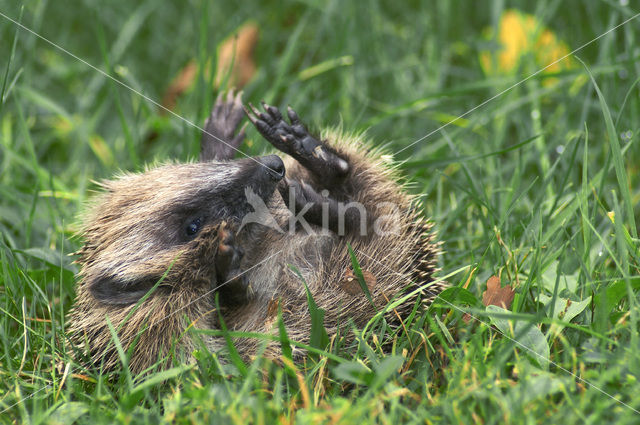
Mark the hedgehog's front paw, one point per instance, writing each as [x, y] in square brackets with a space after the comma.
[228, 256]
[230, 280]
[294, 139]
[219, 140]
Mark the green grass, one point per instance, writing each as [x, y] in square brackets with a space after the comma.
[523, 187]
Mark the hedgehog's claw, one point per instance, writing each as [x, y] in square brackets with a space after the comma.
[273, 112]
[294, 139]
[293, 116]
[254, 110]
[219, 139]
[249, 115]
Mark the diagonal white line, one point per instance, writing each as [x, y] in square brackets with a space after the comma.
[26, 398]
[516, 341]
[175, 115]
[216, 288]
[518, 83]
[164, 318]
[406, 147]
[223, 284]
[125, 85]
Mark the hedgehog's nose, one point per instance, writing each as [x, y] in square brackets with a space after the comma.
[274, 166]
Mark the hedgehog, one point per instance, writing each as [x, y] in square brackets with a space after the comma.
[245, 244]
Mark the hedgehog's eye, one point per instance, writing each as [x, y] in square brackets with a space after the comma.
[193, 226]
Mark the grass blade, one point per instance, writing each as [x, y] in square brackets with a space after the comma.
[618, 161]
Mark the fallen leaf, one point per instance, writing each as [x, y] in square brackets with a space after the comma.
[83, 377]
[237, 52]
[496, 295]
[351, 285]
[180, 84]
[234, 61]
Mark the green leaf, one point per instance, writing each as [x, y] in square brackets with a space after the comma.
[233, 352]
[387, 368]
[457, 295]
[567, 282]
[319, 337]
[355, 372]
[161, 377]
[592, 352]
[537, 386]
[444, 330]
[284, 338]
[610, 296]
[121, 353]
[565, 309]
[67, 413]
[358, 272]
[358, 373]
[51, 257]
[524, 334]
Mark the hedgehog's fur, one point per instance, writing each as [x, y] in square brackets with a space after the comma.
[131, 244]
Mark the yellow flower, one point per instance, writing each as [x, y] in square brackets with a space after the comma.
[522, 37]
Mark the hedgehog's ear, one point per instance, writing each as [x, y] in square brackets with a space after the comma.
[115, 291]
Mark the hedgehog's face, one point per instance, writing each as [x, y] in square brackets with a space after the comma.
[146, 222]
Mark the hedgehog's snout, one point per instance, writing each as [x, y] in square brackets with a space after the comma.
[273, 166]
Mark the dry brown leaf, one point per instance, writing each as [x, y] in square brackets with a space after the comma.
[237, 51]
[180, 84]
[83, 377]
[497, 295]
[351, 285]
[235, 62]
